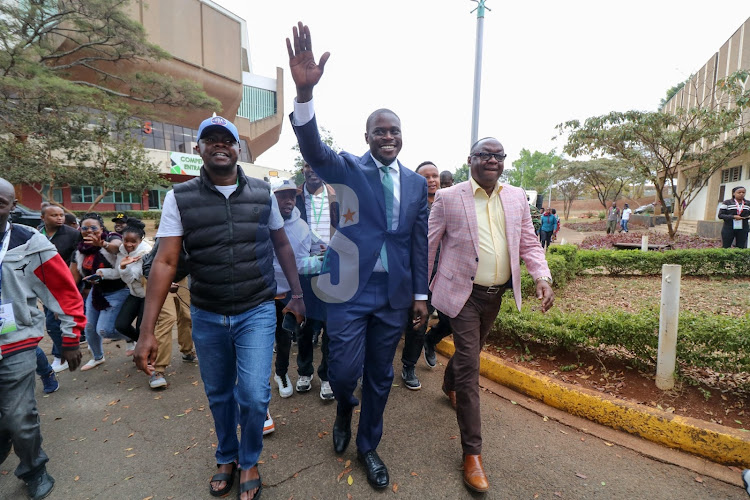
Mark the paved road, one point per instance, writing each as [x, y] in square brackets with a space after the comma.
[111, 437]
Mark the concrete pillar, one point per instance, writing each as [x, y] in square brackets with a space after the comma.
[668, 321]
[644, 243]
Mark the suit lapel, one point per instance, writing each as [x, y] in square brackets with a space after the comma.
[467, 197]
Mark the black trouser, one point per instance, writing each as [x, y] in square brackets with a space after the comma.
[132, 309]
[283, 340]
[414, 340]
[305, 349]
[729, 235]
[546, 238]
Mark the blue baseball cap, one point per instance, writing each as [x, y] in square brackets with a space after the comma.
[218, 122]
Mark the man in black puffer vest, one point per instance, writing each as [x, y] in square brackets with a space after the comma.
[230, 226]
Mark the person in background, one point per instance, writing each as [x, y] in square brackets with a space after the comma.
[446, 179]
[735, 213]
[176, 309]
[129, 268]
[613, 216]
[106, 297]
[415, 338]
[316, 202]
[45, 278]
[66, 240]
[71, 221]
[549, 224]
[120, 221]
[557, 226]
[626, 211]
[298, 234]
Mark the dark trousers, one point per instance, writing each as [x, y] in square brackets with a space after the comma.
[54, 332]
[283, 340]
[19, 418]
[729, 235]
[305, 349]
[131, 310]
[546, 238]
[414, 340]
[364, 334]
[470, 329]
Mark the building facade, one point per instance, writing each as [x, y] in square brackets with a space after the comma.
[209, 45]
[701, 88]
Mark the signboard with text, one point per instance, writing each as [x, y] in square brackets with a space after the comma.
[185, 164]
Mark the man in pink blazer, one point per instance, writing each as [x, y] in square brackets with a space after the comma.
[484, 229]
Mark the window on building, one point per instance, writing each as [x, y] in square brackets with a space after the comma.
[731, 174]
[57, 194]
[87, 194]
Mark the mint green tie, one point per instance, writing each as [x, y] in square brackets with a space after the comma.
[388, 192]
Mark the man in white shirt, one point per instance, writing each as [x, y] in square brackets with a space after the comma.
[230, 227]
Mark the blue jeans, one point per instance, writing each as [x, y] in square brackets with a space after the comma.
[235, 355]
[624, 224]
[101, 324]
[19, 418]
[54, 332]
[42, 364]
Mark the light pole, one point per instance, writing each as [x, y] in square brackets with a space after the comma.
[477, 69]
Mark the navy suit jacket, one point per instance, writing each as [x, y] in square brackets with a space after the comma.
[355, 247]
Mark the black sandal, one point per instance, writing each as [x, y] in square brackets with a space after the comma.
[223, 476]
[249, 486]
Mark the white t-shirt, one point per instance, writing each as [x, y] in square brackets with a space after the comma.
[171, 220]
[626, 214]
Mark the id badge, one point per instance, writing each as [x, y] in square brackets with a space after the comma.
[7, 319]
[736, 224]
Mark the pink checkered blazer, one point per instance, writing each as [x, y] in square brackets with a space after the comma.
[453, 227]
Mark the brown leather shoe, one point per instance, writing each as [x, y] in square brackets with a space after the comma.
[451, 395]
[474, 476]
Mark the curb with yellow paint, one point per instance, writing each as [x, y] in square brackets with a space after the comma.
[715, 442]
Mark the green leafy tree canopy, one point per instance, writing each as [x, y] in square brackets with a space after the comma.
[299, 162]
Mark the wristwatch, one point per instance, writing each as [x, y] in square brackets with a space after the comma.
[548, 279]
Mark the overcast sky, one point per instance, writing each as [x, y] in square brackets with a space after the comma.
[545, 62]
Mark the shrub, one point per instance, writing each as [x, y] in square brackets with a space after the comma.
[682, 241]
[703, 262]
[602, 215]
[705, 340]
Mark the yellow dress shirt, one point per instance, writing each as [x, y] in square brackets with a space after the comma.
[494, 261]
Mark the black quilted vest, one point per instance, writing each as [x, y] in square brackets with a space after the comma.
[228, 243]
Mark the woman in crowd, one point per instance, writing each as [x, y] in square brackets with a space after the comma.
[106, 296]
[549, 224]
[129, 268]
[734, 212]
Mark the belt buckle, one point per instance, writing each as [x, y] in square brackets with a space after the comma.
[493, 290]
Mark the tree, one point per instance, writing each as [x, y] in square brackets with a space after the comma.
[299, 162]
[567, 184]
[59, 95]
[672, 91]
[680, 150]
[462, 174]
[606, 177]
[531, 170]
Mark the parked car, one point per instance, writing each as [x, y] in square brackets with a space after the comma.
[644, 209]
[26, 216]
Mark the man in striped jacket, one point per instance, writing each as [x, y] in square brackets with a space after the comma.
[30, 270]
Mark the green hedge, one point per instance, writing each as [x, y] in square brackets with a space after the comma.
[697, 262]
[705, 340]
[109, 214]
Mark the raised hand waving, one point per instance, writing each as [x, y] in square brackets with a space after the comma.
[305, 71]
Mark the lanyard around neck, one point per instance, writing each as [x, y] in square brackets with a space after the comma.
[316, 216]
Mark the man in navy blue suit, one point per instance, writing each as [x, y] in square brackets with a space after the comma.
[377, 260]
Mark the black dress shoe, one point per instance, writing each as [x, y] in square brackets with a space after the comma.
[342, 430]
[377, 472]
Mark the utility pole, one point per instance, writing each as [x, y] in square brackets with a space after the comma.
[477, 69]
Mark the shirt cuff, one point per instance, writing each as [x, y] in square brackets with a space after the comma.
[420, 296]
[303, 112]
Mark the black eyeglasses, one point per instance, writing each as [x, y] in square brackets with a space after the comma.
[229, 141]
[486, 156]
[89, 228]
